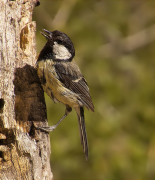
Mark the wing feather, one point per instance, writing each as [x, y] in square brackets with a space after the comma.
[71, 77]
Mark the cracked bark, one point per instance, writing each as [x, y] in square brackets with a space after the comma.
[24, 151]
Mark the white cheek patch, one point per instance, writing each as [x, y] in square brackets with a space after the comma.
[61, 52]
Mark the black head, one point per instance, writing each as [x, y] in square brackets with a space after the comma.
[59, 47]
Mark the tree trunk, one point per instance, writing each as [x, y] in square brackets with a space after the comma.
[24, 150]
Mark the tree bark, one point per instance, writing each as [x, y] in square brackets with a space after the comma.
[24, 150]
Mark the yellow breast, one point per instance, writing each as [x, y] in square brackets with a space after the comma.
[52, 86]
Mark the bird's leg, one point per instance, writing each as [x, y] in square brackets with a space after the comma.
[51, 128]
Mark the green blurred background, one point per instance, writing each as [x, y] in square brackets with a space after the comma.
[115, 50]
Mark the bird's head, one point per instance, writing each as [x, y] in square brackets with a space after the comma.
[58, 46]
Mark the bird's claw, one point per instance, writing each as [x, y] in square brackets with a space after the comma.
[47, 128]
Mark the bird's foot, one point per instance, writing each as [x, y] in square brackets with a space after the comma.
[47, 128]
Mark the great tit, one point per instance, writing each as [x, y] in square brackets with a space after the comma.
[63, 81]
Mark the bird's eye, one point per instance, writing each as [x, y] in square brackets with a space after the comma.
[59, 41]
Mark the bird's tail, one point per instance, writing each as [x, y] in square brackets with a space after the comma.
[83, 134]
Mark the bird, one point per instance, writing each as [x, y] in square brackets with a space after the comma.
[63, 81]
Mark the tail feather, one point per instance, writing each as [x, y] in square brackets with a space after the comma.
[83, 133]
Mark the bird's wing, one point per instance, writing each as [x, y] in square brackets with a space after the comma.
[71, 77]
